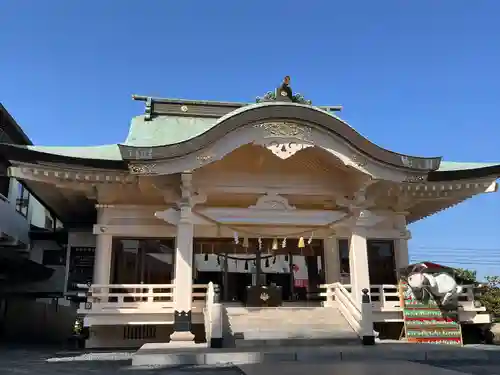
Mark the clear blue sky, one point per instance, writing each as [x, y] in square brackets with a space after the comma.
[418, 77]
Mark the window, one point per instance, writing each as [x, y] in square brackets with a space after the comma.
[381, 261]
[23, 200]
[147, 261]
[49, 223]
[344, 256]
[4, 186]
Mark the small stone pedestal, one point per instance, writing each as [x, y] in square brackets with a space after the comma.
[180, 338]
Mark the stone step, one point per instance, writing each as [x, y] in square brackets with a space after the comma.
[310, 326]
[289, 327]
[264, 334]
[329, 312]
[334, 323]
[297, 342]
[291, 319]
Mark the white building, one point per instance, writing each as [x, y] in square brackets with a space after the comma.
[237, 194]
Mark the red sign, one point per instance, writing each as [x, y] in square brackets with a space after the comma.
[300, 283]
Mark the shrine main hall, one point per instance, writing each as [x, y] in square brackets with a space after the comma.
[277, 194]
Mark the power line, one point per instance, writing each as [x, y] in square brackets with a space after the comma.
[471, 264]
[455, 255]
[456, 248]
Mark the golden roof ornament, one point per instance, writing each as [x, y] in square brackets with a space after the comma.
[283, 93]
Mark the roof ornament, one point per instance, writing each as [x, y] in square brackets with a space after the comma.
[283, 94]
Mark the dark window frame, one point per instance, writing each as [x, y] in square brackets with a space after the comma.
[22, 200]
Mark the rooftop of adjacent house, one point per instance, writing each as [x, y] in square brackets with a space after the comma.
[11, 129]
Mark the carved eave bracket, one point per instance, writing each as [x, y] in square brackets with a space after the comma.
[360, 200]
[190, 196]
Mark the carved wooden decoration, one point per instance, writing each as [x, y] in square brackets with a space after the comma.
[286, 150]
[272, 201]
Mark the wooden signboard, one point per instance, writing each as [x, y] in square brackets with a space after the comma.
[81, 266]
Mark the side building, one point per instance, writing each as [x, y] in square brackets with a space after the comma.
[31, 284]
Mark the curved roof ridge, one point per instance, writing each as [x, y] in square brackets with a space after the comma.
[267, 111]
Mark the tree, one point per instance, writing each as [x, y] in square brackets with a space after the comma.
[490, 298]
[468, 276]
[490, 294]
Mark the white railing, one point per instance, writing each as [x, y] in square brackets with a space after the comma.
[385, 297]
[136, 298]
[357, 314]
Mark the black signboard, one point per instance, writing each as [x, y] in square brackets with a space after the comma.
[81, 266]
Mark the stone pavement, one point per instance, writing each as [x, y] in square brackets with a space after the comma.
[469, 367]
[34, 362]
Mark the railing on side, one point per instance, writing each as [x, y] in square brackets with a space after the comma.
[385, 297]
[124, 298]
[358, 315]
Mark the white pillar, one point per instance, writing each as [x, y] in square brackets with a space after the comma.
[402, 257]
[358, 263]
[183, 297]
[102, 260]
[332, 260]
[401, 245]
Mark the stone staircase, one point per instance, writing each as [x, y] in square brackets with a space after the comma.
[291, 326]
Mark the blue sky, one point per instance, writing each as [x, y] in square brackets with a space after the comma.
[418, 77]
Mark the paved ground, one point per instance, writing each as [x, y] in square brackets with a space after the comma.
[365, 368]
[469, 367]
[34, 362]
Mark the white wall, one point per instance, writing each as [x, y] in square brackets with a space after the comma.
[12, 223]
[83, 239]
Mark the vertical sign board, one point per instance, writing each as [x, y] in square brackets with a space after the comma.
[81, 266]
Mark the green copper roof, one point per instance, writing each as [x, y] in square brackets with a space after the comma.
[112, 152]
[459, 166]
[172, 129]
[106, 152]
[166, 130]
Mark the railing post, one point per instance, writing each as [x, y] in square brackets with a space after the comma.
[367, 335]
[329, 295]
[216, 293]
[215, 315]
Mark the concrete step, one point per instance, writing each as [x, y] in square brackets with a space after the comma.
[298, 342]
[268, 334]
[301, 326]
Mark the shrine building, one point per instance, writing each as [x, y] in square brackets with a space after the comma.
[278, 193]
